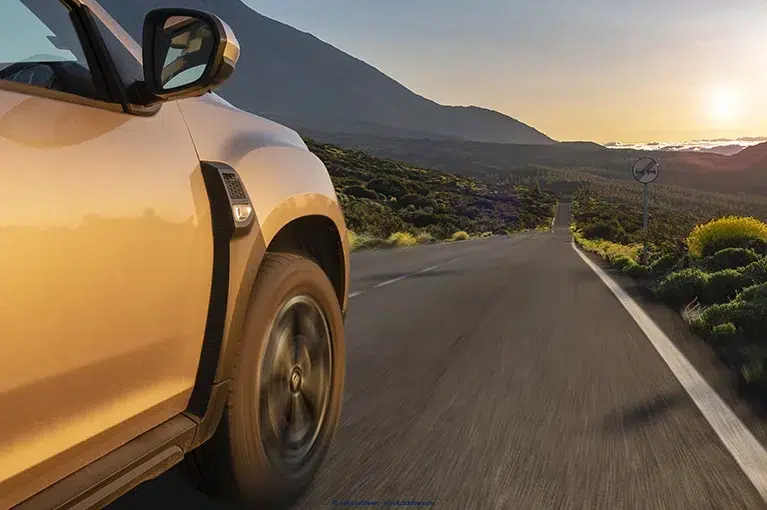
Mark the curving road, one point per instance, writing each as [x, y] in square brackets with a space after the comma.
[503, 373]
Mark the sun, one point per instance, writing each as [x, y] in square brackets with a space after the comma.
[723, 103]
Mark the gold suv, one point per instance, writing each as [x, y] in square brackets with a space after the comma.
[173, 271]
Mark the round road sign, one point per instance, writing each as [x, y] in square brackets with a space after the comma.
[645, 170]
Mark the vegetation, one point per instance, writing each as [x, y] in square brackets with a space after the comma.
[459, 236]
[387, 203]
[730, 232]
[715, 268]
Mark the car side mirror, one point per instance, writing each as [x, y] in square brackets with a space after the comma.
[186, 53]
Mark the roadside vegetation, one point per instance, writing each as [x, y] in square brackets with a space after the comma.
[713, 269]
[391, 204]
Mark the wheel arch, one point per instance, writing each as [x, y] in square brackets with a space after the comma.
[309, 224]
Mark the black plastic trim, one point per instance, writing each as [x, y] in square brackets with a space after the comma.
[109, 70]
[223, 230]
[116, 473]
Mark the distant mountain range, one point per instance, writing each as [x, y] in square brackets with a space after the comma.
[744, 172]
[296, 79]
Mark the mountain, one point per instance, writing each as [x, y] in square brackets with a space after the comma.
[294, 78]
[745, 172]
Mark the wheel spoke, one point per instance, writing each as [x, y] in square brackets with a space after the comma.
[296, 339]
[312, 389]
[299, 419]
[310, 401]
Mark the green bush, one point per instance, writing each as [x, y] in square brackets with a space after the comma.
[665, 262]
[609, 230]
[683, 286]
[724, 333]
[361, 192]
[683, 263]
[753, 293]
[756, 272]
[723, 286]
[747, 316]
[727, 232]
[730, 258]
[755, 369]
[389, 186]
[637, 271]
[621, 261]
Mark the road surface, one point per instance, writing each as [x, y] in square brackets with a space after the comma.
[506, 375]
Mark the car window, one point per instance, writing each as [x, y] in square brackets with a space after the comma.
[39, 46]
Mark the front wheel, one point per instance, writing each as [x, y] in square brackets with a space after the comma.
[286, 395]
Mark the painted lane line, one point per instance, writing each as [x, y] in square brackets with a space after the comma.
[739, 441]
[400, 278]
[389, 282]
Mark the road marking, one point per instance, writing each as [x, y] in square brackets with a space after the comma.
[400, 278]
[744, 447]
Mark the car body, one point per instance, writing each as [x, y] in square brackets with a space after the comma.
[127, 276]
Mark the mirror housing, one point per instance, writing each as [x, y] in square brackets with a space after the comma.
[199, 39]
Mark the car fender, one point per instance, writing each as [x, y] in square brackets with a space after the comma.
[284, 181]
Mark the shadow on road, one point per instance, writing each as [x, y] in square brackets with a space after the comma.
[643, 413]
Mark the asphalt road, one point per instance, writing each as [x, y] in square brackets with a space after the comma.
[505, 376]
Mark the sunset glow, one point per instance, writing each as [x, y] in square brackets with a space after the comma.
[591, 70]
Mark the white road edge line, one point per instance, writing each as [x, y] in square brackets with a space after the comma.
[739, 441]
[400, 278]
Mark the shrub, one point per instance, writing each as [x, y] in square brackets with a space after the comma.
[460, 236]
[353, 239]
[425, 238]
[367, 242]
[665, 262]
[389, 186]
[753, 293]
[608, 230]
[360, 192]
[621, 261]
[747, 316]
[637, 271]
[730, 258]
[401, 239]
[756, 272]
[418, 201]
[606, 249]
[723, 286]
[724, 333]
[727, 232]
[755, 369]
[683, 286]
[683, 263]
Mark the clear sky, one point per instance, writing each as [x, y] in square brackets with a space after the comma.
[602, 70]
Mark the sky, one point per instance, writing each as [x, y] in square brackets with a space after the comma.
[631, 71]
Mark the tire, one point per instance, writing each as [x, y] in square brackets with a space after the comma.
[245, 460]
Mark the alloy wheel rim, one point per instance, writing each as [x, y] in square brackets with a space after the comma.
[295, 384]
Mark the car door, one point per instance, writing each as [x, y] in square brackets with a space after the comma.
[105, 256]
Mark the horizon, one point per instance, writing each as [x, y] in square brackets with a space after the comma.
[704, 93]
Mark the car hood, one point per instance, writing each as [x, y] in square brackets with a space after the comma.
[222, 132]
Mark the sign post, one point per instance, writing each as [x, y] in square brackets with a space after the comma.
[645, 170]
